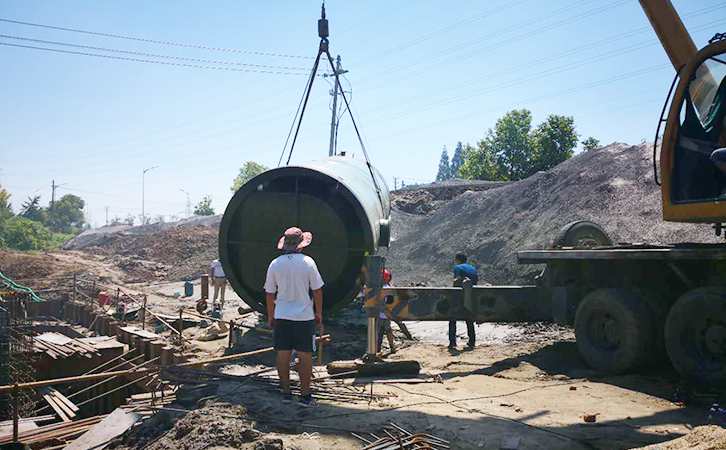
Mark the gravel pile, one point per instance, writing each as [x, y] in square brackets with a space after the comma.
[427, 198]
[612, 186]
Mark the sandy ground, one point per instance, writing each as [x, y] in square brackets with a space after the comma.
[535, 392]
[522, 381]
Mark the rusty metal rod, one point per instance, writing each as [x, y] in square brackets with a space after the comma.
[95, 376]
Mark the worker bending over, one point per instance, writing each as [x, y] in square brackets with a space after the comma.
[462, 270]
[290, 279]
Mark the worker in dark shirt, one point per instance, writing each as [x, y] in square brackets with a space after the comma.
[462, 270]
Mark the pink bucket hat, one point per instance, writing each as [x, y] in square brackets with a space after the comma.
[294, 239]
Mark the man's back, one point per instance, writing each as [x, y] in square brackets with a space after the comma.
[292, 276]
[466, 270]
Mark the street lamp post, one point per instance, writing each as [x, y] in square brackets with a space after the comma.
[143, 191]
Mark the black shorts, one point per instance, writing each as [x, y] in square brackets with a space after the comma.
[294, 335]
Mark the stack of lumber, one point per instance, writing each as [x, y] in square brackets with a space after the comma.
[24, 424]
[156, 398]
[53, 434]
[57, 346]
[65, 408]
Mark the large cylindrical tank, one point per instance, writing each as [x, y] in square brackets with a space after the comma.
[336, 199]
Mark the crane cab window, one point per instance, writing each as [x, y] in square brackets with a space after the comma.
[700, 154]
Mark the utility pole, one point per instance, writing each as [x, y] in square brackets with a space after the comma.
[338, 71]
[395, 183]
[52, 201]
[107, 216]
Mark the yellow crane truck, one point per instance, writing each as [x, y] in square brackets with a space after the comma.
[628, 303]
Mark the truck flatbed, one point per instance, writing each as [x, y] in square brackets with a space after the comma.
[691, 251]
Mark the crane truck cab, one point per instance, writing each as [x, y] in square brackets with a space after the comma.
[693, 152]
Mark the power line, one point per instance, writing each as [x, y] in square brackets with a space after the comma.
[463, 117]
[444, 30]
[151, 55]
[235, 144]
[509, 29]
[154, 41]
[397, 103]
[195, 66]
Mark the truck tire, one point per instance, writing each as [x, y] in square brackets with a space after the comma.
[582, 233]
[695, 334]
[613, 329]
[658, 311]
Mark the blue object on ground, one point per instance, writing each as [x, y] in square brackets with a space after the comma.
[188, 288]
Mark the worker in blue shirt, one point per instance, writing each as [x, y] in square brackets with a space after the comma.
[462, 270]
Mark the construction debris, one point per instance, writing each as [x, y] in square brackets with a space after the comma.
[98, 436]
[396, 437]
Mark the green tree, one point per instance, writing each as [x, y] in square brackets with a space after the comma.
[554, 141]
[247, 172]
[444, 168]
[204, 208]
[480, 163]
[129, 220]
[590, 143]
[24, 234]
[158, 219]
[513, 151]
[31, 209]
[67, 214]
[6, 209]
[457, 161]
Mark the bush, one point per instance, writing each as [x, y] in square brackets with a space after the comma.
[24, 234]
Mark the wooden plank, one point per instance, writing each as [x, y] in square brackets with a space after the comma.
[36, 419]
[62, 350]
[52, 428]
[139, 332]
[62, 405]
[98, 437]
[148, 395]
[7, 430]
[64, 399]
[58, 410]
[54, 338]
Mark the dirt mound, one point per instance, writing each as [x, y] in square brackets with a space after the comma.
[168, 254]
[612, 186]
[104, 235]
[34, 266]
[427, 198]
[701, 438]
[213, 426]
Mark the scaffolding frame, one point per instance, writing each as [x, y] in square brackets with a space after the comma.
[17, 354]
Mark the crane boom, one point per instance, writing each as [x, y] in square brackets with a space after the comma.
[670, 30]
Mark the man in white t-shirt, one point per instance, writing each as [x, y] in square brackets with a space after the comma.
[219, 281]
[291, 277]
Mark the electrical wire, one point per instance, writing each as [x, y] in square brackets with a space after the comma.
[705, 10]
[153, 41]
[165, 63]
[517, 28]
[150, 55]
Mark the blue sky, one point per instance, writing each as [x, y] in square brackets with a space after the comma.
[423, 75]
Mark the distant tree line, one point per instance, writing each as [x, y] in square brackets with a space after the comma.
[37, 227]
[513, 150]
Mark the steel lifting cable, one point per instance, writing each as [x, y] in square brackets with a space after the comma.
[355, 126]
[323, 33]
